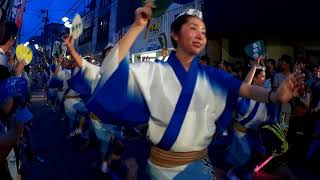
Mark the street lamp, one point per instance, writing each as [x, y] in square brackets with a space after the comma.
[36, 46]
[65, 19]
[67, 24]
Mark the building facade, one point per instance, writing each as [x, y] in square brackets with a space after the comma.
[111, 19]
[149, 44]
[229, 29]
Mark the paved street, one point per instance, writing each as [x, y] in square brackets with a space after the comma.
[62, 159]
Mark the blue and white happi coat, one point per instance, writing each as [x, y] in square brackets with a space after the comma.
[81, 77]
[71, 102]
[252, 115]
[183, 109]
[151, 92]
[85, 79]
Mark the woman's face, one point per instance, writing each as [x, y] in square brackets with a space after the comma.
[222, 66]
[270, 65]
[192, 36]
[65, 63]
[259, 80]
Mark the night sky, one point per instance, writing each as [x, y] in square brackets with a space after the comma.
[280, 17]
[57, 9]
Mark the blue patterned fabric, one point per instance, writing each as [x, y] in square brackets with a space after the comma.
[14, 86]
[6, 91]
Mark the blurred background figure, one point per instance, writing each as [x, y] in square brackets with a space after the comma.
[204, 60]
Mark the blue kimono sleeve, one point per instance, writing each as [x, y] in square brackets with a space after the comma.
[243, 106]
[79, 85]
[82, 81]
[230, 87]
[117, 98]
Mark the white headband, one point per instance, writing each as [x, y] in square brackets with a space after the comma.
[192, 12]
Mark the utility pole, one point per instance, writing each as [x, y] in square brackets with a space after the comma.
[45, 19]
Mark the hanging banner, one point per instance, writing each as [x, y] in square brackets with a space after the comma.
[156, 28]
[18, 11]
[159, 32]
